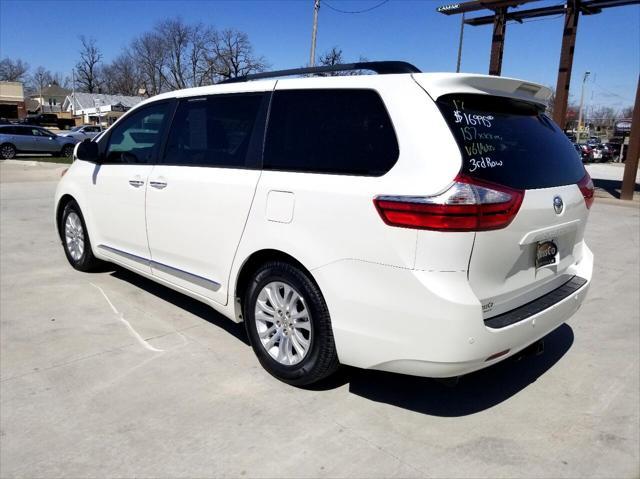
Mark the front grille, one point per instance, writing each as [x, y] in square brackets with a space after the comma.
[534, 307]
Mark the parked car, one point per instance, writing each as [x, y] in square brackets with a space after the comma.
[50, 119]
[82, 132]
[586, 153]
[32, 139]
[601, 153]
[425, 224]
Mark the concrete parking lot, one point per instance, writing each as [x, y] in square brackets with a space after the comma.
[109, 374]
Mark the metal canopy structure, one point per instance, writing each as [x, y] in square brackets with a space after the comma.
[571, 10]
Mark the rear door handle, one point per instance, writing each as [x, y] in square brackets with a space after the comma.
[136, 183]
[158, 184]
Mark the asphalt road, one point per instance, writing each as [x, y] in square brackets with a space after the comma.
[108, 374]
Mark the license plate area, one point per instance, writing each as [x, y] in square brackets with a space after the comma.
[546, 254]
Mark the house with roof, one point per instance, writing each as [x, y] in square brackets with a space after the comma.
[99, 108]
[48, 100]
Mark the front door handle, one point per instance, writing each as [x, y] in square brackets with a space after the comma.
[136, 183]
[158, 184]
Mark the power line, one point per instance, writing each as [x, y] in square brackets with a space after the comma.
[611, 93]
[356, 11]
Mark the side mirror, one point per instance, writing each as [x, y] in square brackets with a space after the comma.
[87, 150]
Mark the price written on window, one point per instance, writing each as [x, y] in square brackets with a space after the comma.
[473, 120]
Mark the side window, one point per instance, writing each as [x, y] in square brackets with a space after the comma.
[137, 137]
[213, 131]
[330, 131]
[41, 132]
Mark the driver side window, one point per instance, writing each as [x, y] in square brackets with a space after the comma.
[137, 138]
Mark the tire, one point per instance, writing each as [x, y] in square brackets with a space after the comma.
[7, 151]
[306, 318]
[75, 239]
[67, 151]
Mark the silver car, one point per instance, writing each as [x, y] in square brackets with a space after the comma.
[33, 139]
[82, 132]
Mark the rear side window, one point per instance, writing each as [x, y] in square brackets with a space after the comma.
[510, 142]
[330, 131]
[213, 131]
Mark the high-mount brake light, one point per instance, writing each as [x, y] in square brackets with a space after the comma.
[467, 205]
[587, 189]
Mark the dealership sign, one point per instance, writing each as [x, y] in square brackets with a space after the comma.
[623, 126]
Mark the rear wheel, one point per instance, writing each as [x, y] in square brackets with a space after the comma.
[7, 151]
[288, 324]
[75, 239]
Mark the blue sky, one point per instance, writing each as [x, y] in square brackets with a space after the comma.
[608, 44]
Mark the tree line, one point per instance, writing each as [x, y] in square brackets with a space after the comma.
[173, 55]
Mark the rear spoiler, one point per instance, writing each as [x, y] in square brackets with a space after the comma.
[438, 84]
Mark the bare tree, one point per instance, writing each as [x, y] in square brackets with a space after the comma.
[602, 116]
[176, 42]
[122, 76]
[331, 57]
[88, 66]
[13, 70]
[150, 56]
[626, 112]
[40, 78]
[232, 55]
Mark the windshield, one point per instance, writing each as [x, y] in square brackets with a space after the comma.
[76, 128]
[510, 142]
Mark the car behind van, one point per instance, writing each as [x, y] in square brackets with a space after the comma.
[421, 223]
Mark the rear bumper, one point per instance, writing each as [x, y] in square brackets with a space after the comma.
[427, 323]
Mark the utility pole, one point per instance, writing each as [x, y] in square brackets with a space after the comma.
[73, 93]
[314, 32]
[460, 44]
[584, 80]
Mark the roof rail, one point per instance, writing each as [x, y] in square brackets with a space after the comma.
[381, 68]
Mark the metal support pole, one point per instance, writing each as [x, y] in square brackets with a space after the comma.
[633, 152]
[584, 81]
[314, 32]
[497, 42]
[571, 16]
[460, 44]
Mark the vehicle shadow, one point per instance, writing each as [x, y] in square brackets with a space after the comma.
[612, 187]
[182, 301]
[472, 393]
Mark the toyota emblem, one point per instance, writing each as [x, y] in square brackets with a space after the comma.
[558, 205]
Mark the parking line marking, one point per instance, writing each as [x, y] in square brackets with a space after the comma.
[120, 316]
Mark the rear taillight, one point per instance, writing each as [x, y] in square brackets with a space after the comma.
[587, 189]
[467, 205]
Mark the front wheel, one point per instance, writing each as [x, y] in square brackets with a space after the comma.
[75, 239]
[288, 324]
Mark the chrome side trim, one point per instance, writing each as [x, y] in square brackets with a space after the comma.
[184, 275]
[124, 254]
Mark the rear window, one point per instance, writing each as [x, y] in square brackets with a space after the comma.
[330, 131]
[510, 142]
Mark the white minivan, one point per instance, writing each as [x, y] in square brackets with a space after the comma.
[422, 223]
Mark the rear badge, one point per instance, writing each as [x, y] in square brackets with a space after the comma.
[546, 254]
[558, 205]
